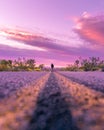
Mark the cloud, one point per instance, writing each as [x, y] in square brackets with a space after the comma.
[30, 40]
[43, 41]
[91, 29]
[26, 44]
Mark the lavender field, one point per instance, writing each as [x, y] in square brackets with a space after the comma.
[94, 80]
[51, 100]
[12, 81]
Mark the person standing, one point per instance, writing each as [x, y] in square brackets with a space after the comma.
[52, 67]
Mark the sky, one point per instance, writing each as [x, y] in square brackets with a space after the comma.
[51, 31]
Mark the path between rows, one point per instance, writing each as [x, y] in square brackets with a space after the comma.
[54, 102]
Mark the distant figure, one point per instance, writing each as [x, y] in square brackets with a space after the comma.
[52, 67]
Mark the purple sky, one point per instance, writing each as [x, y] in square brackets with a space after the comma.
[51, 31]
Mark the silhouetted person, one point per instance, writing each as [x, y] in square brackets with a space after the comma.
[52, 67]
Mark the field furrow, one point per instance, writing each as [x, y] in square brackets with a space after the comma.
[86, 105]
[17, 108]
[10, 82]
[52, 102]
[93, 80]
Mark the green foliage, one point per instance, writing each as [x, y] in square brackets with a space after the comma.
[22, 64]
[37, 69]
[30, 63]
[71, 68]
[90, 64]
[5, 65]
[17, 65]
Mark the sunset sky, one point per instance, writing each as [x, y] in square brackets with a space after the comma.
[51, 31]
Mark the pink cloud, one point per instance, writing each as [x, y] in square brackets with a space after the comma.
[91, 29]
[55, 50]
[43, 42]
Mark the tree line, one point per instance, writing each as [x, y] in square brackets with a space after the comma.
[23, 64]
[88, 64]
[20, 64]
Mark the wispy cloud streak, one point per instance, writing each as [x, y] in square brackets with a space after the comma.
[17, 43]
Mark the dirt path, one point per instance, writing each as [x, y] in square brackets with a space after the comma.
[53, 103]
[52, 112]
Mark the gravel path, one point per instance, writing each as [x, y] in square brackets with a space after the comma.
[53, 102]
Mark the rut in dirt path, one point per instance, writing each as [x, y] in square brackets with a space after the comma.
[51, 112]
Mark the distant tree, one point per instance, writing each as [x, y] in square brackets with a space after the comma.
[30, 63]
[101, 65]
[77, 63]
[23, 64]
[94, 63]
[20, 64]
[41, 66]
[90, 64]
[10, 63]
[3, 65]
[86, 65]
[3, 62]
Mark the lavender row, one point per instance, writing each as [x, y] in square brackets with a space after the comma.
[94, 80]
[12, 81]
